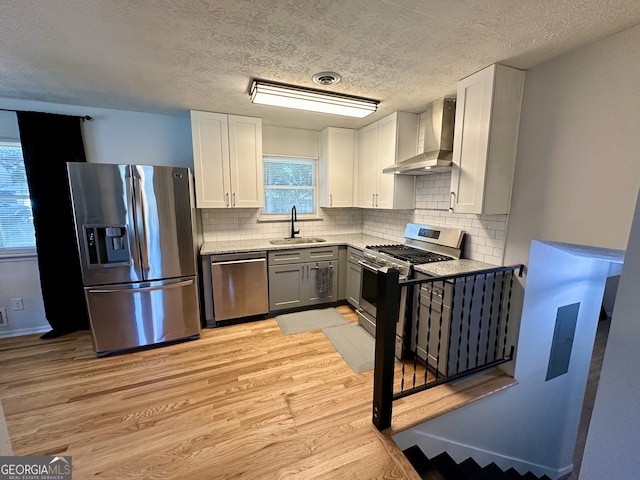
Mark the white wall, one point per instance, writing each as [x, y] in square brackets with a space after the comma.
[9, 126]
[611, 450]
[577, 178]
[20, 278]
[290, 141]
[118, 136]
[113, 136]
[578, 166]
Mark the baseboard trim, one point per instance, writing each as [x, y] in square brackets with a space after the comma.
[24, 331]
[432, 445]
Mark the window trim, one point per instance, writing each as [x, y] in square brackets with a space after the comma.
[21, 252]
[281, 217]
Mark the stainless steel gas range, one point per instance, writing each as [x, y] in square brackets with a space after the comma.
[423, 244]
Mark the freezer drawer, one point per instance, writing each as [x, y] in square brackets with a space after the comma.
[239, 283]
[126, 316]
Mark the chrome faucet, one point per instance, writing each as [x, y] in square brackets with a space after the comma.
[294, 217]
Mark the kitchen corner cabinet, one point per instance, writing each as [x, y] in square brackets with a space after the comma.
[337, 154]
[293, 277]
[227, 160]
[485, 141]
[389, 140]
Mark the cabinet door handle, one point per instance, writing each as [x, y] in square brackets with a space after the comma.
[227, 200]
[317, 267]
[376, 199]
[234, 198]
[452, 201]
[373, 199]
[331, 199]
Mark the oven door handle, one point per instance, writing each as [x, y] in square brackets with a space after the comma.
[369, 266]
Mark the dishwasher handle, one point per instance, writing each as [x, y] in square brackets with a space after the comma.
[231, 262]
[219, 258]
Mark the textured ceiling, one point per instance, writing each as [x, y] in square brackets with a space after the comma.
[171, 56]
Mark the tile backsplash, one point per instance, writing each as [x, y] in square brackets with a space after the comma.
[485, 234]
[484, 239]
[243, 224]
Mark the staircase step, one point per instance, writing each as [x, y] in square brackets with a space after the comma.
[529, 476]
[418, 459]
[473, 470]
[448, 467]
[422, 464]
[443, 467]
[513, 474]
[495, 472]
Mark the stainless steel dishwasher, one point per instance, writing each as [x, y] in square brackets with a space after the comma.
[239, 284]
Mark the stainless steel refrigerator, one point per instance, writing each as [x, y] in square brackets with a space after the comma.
[135, 233]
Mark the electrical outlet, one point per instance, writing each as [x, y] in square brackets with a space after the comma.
[16, 304]
[4, 320]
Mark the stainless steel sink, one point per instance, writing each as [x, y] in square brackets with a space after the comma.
[296, 240]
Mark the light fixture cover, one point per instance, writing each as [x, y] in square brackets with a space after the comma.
[281, 95]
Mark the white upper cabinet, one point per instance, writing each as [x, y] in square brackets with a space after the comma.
[227, 158]
[337, 155]
[367, 170]
[386, 142]
[485, 141]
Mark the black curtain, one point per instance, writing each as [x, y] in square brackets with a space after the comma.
[48, 142]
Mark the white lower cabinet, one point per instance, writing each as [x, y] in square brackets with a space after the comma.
[302, 277]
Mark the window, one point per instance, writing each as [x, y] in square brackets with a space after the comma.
[289, 181]
[16, 218]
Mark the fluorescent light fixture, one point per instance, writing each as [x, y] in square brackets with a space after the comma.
[280, 95]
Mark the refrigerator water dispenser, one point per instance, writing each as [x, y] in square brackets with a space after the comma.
[107, 245]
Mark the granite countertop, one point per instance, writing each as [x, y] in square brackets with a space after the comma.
[453, 267]
[355, 240]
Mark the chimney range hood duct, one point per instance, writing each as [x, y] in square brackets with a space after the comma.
[437, 148]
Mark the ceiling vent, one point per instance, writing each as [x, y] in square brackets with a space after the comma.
[326, 78]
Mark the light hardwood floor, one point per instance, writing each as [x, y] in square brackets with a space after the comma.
[243, 401]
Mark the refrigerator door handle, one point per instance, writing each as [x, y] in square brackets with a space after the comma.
[164, 286]
[133, 219]
[142, 224]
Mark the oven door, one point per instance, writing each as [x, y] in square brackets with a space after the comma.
[369, 288]
[368, 303]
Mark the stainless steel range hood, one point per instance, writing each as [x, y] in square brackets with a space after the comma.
[437, 148]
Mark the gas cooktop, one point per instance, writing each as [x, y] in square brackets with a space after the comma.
[410, 254]
[423, 244]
